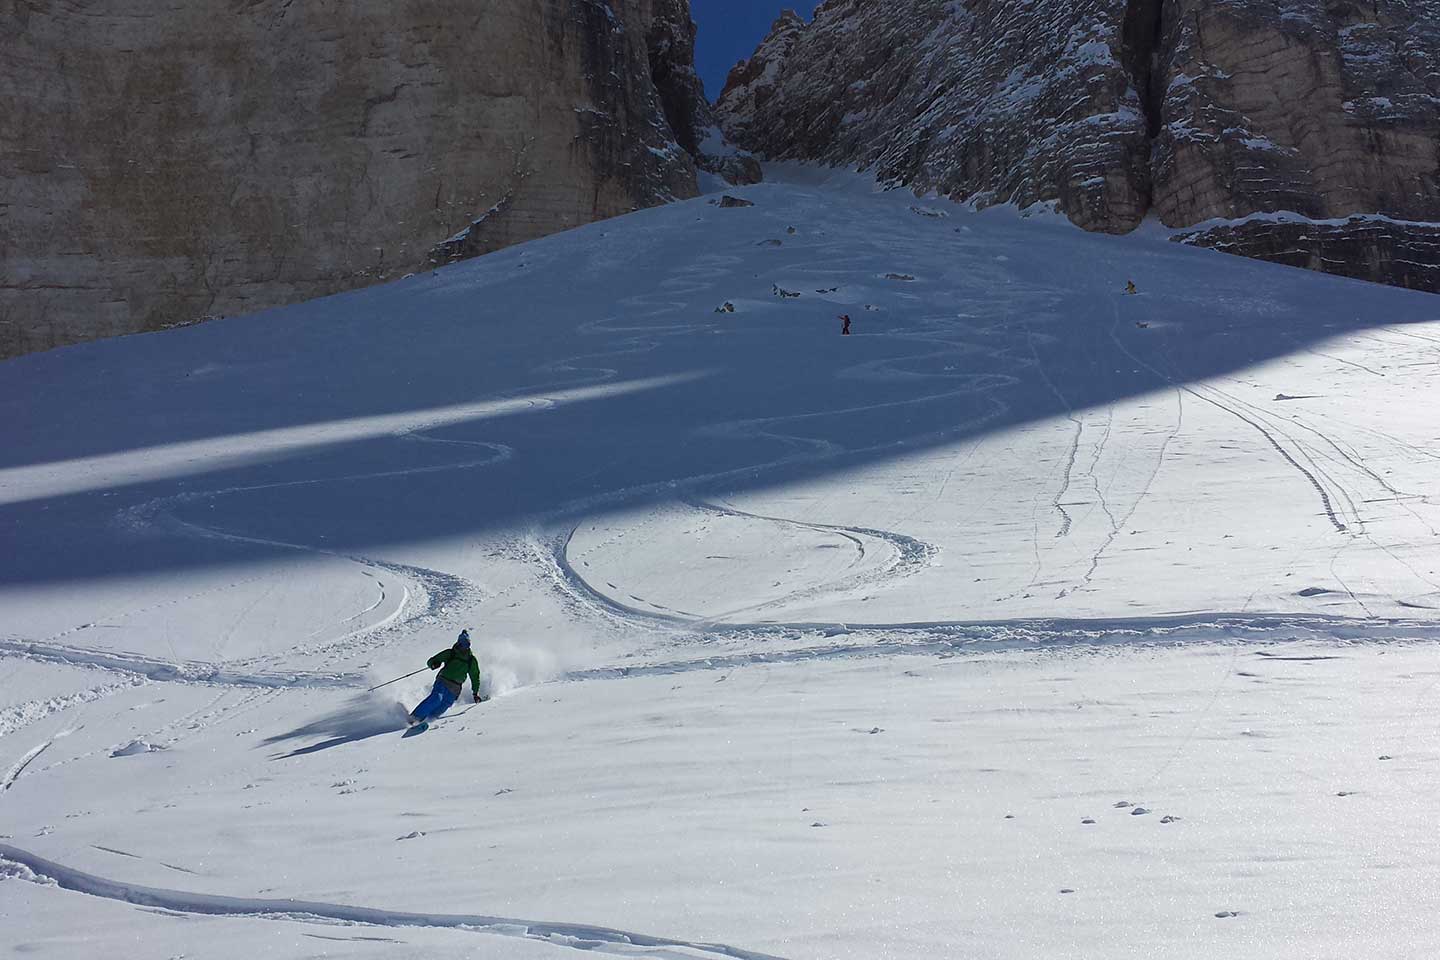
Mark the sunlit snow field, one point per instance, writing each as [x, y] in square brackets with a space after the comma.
[1033, 619]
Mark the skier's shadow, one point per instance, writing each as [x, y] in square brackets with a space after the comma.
[325, 744]
[352, 723]
[360, 719]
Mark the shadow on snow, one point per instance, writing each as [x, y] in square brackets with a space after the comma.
[576, 375]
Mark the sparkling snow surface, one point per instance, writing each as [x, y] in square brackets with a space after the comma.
[1033, 619]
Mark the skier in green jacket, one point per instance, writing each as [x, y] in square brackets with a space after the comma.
[454, 664]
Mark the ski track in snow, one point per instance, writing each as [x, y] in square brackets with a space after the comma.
[1081, 448]
[1255, 634]
[1270, 437]
[634, 336]
[20, 715]
[435, 589]
[135, 665]
[13, 774]
[1217, 398]
[647, 319]
[552, 551]
[579, 936]
[909, 554]
[218, 709]
[578, 593]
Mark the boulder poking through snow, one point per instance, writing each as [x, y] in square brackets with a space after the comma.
[135, 748]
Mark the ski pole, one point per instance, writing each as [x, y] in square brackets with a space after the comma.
[396, 680]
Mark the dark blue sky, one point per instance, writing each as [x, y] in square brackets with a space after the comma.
[730, 30]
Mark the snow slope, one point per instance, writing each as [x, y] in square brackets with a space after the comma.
[804, 645]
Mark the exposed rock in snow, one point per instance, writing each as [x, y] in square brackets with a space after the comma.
[1197, 110]
[134, 748]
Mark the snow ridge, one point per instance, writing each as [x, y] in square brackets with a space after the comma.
[587, 937]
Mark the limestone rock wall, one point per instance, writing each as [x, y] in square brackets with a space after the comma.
[1367, 248]
[1193, 110]
[984, 100]
[671, 42]
[1321, 108]
[166, 160]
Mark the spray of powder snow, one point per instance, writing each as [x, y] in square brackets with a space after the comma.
[505, 666]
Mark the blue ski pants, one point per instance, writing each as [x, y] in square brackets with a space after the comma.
[441, 698]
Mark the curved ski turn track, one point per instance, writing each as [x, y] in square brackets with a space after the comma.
[763, 608]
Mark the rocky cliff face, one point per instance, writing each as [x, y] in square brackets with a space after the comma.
[671, 42]
[167, 160]
[1372, 248]
[1195, 110]
[989, 100]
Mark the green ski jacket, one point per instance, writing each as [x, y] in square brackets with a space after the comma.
[454, 665]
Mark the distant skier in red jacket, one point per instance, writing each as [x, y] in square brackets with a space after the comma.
[845, 327]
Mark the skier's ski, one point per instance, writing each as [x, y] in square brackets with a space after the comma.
[418, 727]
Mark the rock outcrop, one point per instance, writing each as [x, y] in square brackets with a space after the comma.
[168, 160]
[988, 100]
[671, 42]
[1323, 109]
[1195, 111]
[1368, 248]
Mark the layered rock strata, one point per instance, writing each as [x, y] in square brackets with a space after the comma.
[1367, 248]
[167, 160]
[987, 101]
[1193, 110]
